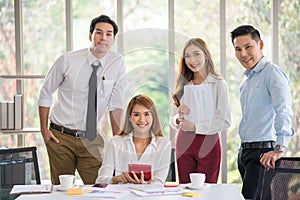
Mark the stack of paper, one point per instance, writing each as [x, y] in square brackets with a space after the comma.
[199, 99]
[156, 191]
[31, 189]
[101, 192]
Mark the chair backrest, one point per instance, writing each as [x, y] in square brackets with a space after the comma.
[281, 183]
[172, 175]
[19, 166]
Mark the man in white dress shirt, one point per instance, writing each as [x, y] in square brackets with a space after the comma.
[67, 145]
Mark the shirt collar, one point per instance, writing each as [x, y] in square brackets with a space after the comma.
[259, 66]
[208, 79]
[91, 58]
[153, 140]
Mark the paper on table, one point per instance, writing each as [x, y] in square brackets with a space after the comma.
[101, 192]
[156, 191]
[30, 189]
[200, 101]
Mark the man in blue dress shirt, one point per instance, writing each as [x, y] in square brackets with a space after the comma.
[265, 127]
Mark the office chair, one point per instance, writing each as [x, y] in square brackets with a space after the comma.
[19, 166]
[281, 183]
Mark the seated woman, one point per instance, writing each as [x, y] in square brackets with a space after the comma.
[141, 141]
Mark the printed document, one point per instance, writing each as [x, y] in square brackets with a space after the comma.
[200, 101]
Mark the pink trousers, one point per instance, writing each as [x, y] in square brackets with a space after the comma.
[198, 153]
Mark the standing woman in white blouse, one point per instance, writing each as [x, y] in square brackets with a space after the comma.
[141, 141]
[201, 113]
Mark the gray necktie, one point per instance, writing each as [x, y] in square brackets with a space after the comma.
[91, 118]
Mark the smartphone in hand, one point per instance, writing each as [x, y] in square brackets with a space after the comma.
[100, 185]
[137, 168]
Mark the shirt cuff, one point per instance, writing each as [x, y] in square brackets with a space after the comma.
[283, 141]
[44, 103]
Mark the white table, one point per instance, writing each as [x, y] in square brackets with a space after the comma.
[212, 192]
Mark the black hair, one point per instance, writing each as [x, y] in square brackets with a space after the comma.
[245, 30]
[106, 19]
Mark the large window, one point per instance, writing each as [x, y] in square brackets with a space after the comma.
[289, 59]
[152, 35]
[82, 14]
[7, 50]
[145, 49]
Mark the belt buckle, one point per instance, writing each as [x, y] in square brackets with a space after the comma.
[79, 134]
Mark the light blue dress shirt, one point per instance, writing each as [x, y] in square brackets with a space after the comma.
[266, 105]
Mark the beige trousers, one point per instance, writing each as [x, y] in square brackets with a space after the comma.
[72, 154]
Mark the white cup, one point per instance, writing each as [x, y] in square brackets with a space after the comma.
[197, 180]
[66, 181]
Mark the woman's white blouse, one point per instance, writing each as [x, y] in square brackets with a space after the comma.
[120, 152]
[222, 116]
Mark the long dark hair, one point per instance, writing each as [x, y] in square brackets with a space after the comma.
[185, 75]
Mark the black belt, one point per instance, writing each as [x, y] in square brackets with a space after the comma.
[72, 132]
[258, 145]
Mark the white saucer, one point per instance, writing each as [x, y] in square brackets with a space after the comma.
[59, 188]
[189, 186]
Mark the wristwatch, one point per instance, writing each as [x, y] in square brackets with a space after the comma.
[279, 148]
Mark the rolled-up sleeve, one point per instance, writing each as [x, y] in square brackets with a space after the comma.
[282, 101]
[51, 82]
[117, 100]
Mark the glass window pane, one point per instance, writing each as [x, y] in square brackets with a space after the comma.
[31, 95]
[8, 140]
[201, 20]
[289, 59]
[146, 52]
[145, 14]
[256, 13]
[83, 13]
[44, 34]
[7, 50]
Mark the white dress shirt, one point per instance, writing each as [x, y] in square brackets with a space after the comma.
[121, 151]
[70, 74]
[222, 116]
